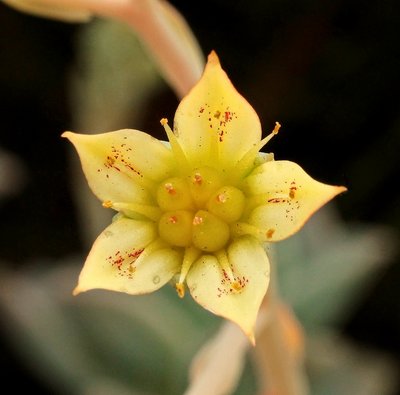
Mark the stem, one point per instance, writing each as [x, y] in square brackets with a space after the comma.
[280, 369]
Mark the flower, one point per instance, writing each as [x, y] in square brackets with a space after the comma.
[198, 210]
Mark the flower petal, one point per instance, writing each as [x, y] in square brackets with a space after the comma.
[214, 123]
[48, 9]
[170, 40]
[286, 197]
[218, 365]
[122, 166]
[209, 287]
[122, 259]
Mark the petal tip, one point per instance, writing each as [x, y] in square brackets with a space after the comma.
[247, 328]
[67, 134]
[337, 190]
[77, 290]
[251, 338]
[213, 58]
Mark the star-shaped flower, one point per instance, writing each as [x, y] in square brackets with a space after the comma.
[198, 210]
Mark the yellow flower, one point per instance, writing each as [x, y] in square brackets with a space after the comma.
[199, 209]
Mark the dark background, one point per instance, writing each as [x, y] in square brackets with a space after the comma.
[328, 71]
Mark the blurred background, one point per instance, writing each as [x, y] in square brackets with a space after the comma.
[328, 71]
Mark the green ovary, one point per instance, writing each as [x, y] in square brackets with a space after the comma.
[198, 210]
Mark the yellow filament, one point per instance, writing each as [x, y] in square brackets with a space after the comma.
[191, 255]
[176, 148]
[226, 268]
[245, 164]
[242, 229]
[151, 212]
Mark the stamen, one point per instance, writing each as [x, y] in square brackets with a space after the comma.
[227, 270]
[276, 128]
[143, 253]
[236, 286]
[224, 263]
[191, 255]
[247, 160]
[180, 289]
[107, 204]
[243, 228]
[175, 146]
[265, 140]
[151, 212]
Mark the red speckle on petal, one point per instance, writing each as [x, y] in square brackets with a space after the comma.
[119, 160]
[277, 200]
[124, 262]
[292, 190]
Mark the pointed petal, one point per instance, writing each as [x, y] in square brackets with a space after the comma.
[209, 287]
[214, 123]
[122, 260]
[287, 197]
[121, 166]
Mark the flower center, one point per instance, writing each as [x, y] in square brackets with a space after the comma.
[198, 210]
